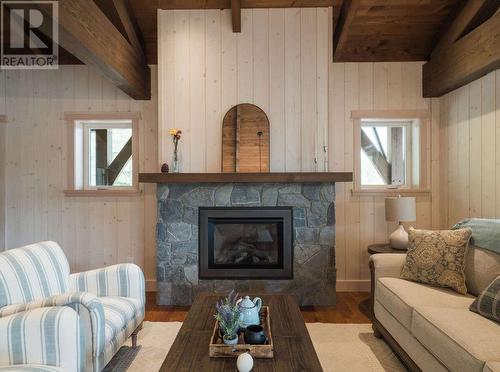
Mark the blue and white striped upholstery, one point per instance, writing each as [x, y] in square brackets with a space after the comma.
[123, 280]
[30, 368]
[49, 336]
[122, 293]
[123, 316]
[92, 317]
[32, 272]
[109, 302]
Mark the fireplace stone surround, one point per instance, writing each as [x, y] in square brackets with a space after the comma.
[314, 239]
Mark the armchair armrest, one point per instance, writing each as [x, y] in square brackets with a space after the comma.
[91, 314]
[124, 280]
[49, 336]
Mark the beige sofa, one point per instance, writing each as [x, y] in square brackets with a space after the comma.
[432, 329]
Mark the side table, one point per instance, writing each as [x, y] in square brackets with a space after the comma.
[383, 248]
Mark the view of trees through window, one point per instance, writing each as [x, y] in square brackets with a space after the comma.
[110, 156]
[383, 153]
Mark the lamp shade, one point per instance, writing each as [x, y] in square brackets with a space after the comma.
[400, 209]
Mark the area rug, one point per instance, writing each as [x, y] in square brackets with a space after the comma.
[351, 347]
[340, 347]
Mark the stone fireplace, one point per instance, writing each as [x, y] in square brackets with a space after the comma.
[251, 237]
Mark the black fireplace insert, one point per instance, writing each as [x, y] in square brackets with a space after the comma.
[245, 243]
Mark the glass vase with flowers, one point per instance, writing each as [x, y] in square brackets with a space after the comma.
[176, 163]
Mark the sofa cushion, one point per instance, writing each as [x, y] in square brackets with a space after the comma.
[437, 257]
[459, 338]
[400, 296]
[492, 367]
[415, 350]
[481, 267]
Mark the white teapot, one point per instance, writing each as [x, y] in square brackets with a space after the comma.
[249, 310]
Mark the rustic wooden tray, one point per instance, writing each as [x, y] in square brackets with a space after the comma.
[217, 348]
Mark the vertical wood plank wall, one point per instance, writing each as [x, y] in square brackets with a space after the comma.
[281, 61]
[93, 231]
[360, 220]
[3, 142]
[470, 146]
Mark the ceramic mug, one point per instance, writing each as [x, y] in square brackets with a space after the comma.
[255, 335]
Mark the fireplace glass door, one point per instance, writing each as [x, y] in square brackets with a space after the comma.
[245, 242]
[248, 243]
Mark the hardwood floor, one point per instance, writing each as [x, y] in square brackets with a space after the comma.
[351, 307]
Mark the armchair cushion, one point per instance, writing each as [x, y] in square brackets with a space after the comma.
[122, 280]
[123, 316]
[44, 336]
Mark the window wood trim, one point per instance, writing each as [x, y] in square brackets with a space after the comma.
[104, 192]
[73, 189]
[423, 117]
[391, 192]
[390, 114]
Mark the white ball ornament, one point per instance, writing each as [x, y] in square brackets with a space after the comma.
[244, 363]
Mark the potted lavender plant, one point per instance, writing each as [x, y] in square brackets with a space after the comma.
[229, 317]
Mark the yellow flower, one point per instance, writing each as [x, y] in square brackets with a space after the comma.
[173, 131]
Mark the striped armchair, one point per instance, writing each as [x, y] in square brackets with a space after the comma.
[43, 339]
[109, 301]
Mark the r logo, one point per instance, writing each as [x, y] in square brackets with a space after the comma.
[29, 34]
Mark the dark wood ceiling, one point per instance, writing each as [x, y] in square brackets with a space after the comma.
[392, 30]
[381, 30]
[372, 30]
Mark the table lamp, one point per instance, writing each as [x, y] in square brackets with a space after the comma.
[400, 209]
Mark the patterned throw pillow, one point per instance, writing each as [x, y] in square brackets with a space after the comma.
[437, 258]
[487, 303]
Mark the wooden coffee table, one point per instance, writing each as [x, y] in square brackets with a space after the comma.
[293, 348]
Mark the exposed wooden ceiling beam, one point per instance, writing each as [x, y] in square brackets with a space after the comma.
[86, 32]
[343, 23]
[130, 24]
[473, 13]
[236, 15]
[467, 59]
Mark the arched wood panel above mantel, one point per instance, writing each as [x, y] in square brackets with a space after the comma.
[245, 140]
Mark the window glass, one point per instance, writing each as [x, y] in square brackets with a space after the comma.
[384, 153]
[109, 154]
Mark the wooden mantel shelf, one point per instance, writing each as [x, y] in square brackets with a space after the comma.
[301, 177]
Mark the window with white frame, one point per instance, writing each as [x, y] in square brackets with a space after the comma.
[104, 152]
[389, 151]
